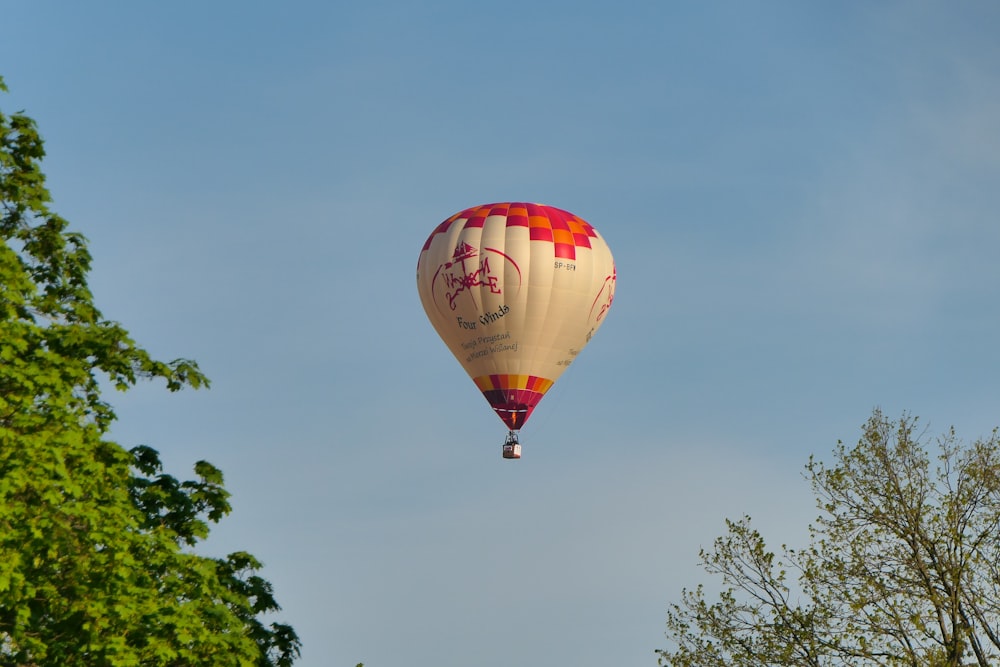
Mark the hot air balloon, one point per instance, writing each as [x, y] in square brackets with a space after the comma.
[515, 291]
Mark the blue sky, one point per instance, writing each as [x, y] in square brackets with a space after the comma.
[801, 199]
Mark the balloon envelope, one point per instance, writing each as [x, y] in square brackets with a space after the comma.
[515, 291]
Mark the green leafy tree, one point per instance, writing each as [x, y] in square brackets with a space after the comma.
[96, 564]
[903, 566]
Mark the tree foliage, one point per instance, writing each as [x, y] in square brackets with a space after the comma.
[903, 566]
[95, 560]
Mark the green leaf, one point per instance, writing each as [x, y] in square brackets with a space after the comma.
[96, 549]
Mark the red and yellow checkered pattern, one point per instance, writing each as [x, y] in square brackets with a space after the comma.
[513, 397]
[564, 230]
